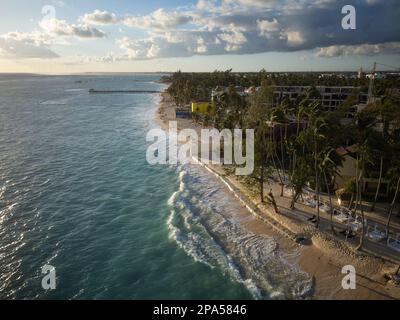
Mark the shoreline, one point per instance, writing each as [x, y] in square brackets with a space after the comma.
[322, 259]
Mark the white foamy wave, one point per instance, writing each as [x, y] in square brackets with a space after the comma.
[203, 225]
[190, 235]
[172, 199]
[187, 242]
[2, 190]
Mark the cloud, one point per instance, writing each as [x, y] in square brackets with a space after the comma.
[253, 3]
[267, 28]
[61, 28]
[19, 45]
[213, 27]
[159, 19]
[294, 38]
[234, 40]
[256, 26]
[201, 46]
[23, 45]
[98, 17]
[365, 49]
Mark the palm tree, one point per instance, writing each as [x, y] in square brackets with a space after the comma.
[256, 118]
[317, 136]
[379, 184]
[329, 165]
[359, 177]
[301, 173]
[392, 205]
[363, 157]
[350, 187]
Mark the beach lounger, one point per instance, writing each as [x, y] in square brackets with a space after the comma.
[341, 217]
[325, 208]
[310, 203]
[376, 234]
[394, 243]
[355, 224]
[312, 218]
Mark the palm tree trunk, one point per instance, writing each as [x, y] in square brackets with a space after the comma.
[351, 201]
[279, 173]
[379, 184]
[392, 206]
[280, 161]
[273, 202]
[357, 183]
[296, 194]
[262, 181]
[316, 182]
[362, 211]
[330, 204]
[275, 154]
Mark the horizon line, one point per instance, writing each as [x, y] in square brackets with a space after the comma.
[169, 72]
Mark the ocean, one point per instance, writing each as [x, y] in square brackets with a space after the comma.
[77, 193]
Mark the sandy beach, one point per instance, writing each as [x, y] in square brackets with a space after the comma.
[323, 257]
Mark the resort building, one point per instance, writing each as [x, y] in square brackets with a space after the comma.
[330, 97]
[348, 171]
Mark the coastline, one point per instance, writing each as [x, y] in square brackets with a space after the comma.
[323, 258]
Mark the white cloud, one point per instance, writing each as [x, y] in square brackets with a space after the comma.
[173, 37]
[294, 38]
[159, 19]
[201, 46]
[20, 45]
[98, 17]
[254, 3]
[206, 5]
[212, 27]
[62, 28]
[267, 28]
[365, 49]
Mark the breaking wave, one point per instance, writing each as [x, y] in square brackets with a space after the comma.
[202, 222]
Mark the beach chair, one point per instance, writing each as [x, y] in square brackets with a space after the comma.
[375, 234]
[342, 217]
[355, 224]
[394, 243]
[310, 202]
[325, 208]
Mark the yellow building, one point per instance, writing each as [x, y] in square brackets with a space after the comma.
[206, 108]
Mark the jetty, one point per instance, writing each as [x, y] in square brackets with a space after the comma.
[123, 91]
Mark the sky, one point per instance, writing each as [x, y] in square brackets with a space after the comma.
[71, 36]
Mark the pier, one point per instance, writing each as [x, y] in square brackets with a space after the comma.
[123, 91]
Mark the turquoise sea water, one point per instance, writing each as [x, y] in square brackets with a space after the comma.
[77, 193]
